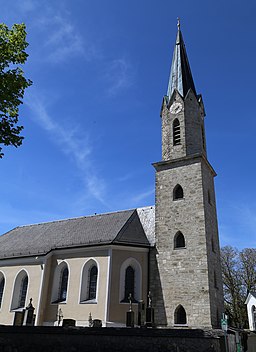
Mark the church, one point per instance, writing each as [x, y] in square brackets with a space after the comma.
[93, 267]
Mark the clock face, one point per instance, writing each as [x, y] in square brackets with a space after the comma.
[175, 108]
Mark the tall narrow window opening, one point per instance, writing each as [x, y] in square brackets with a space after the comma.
[176, 132]
[209, 197]
[179, 240]
[89, 282]
[215, 280]
[130, 280]
[93, 275]
[178, 192]
[20, 289]
[129, 283]
[63, 285]
[203, 137]
[23, 292]
[180, 316]
[2, 283]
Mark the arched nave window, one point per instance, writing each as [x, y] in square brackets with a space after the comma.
[129, 283]
[178, 192]
[2, 283]
[179, 240]
[60, 283]
[130, 280]
[63, 285]
[176, 132]
[180, 316]
[19, 295]
[89, 284]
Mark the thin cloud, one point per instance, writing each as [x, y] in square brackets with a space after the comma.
[118, 73]
[126, 177]
[63, 40]
[27, 6]
[70, 143]
[144, 195]
[58, 39]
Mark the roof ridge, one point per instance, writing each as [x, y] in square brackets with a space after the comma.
[75, 218]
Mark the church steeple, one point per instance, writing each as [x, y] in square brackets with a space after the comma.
[180, 76]
[182, 110]
[185, 275]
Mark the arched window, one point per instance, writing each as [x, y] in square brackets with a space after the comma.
[2, 283]
[178, 192]
[176, 132]
[179, 240]
[60, 283]
[23, 292]
[93, 275]
[130, 280]
[63, 285]
[129, 283]
[89, 282]
[180, 316]
[20, 290]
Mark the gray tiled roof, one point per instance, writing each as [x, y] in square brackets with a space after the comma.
[123, 227]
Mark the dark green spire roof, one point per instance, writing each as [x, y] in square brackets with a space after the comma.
[180, 76]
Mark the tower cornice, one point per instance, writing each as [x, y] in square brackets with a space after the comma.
[187, 160]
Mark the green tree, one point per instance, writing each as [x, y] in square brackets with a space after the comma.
[12, 82]
[239, 277]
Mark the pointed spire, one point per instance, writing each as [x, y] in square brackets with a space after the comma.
[180, 76]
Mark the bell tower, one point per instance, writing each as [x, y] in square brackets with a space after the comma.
[185, 277]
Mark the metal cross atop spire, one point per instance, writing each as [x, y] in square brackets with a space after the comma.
[178, 23]
[180, 76]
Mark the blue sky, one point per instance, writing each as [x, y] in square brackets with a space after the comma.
[92, 128]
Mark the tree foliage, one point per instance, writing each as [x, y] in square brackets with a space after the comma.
[239, 277]
[12, 82]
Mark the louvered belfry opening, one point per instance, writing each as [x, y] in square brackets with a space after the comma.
[176, 132]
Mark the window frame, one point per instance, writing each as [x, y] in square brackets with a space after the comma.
[57, 282]
[134, 263]
[178, 234]
[176, 133]
[84, 296]
[176, 313]
[17, 288]
[23, 292]
[176, 189]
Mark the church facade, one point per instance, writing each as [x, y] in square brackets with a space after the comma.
[90, 266]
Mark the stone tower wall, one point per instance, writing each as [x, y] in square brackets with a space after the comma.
[194, 123]
[183, 272]
[213, 247]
